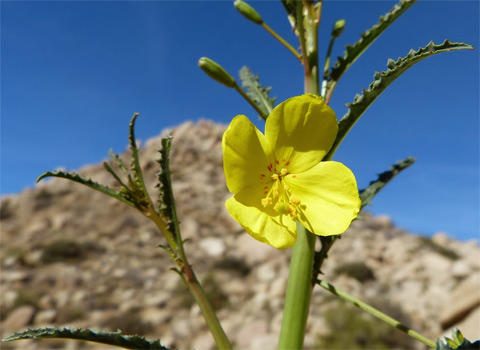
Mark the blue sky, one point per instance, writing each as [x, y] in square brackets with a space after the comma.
[73, 73]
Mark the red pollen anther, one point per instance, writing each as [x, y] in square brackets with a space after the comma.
[277, 162]
[288, 163]
[266, 192]
[262, 175]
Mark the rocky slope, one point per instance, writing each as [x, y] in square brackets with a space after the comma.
[71, 256]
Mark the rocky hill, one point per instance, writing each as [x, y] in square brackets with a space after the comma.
[71, 256]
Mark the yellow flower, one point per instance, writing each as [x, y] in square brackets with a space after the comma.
[278, 178]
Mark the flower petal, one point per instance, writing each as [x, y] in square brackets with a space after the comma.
[246, 154]
[329, 197]
[301, 130]
[263, 224]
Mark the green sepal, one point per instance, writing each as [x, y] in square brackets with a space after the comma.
[216, 72]
[248, 11]
[382, 80]
[89, 183]
[257, 92]
[366, 39]
[367, 194]
[109, 338]
[457, 343]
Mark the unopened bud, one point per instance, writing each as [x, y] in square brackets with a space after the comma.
[248, 11]
[338, 28]
[216, 72]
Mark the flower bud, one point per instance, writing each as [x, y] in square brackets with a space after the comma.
[248, 11]
[338, 28]
[216, 72]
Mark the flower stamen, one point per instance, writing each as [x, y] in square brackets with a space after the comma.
[280, 196]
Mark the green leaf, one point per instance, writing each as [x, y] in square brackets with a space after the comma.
[367, 194]
[257, 92]
[135, 165]
[166, 199]
[291, 9]
[110, 338]
[119, 161]
[89, 183]
[366, 39]
[114, 174]
[121, 166]
[382, 80]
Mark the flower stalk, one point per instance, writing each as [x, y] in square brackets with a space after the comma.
[299, 290]
[249, 13]
[282, 41]
[206, 308]
[375, 312]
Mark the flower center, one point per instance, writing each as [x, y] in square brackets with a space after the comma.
[279, 195]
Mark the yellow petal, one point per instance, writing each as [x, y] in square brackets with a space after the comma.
[301, 130]
[263, 224]
[246, 154]
[328, 197]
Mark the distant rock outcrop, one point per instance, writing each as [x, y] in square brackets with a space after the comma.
[71, 256]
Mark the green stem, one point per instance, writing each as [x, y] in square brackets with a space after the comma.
[327, 66]
[250, 101]
[160, 222]
[179, 257]
[299, 291]
[282, 41]
[300, 282]
[377, 313]
[211, 319]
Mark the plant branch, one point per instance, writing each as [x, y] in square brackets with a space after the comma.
[282, 41]
[377, 313]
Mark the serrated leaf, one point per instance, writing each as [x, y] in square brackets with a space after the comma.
[166, 198]
[115, 176]
[257, 92]
[135, 164]
[366, 39]
[87, 182]
[382, 80]
[119, 162]
[122, 167]
[367, 194]
[110, 338]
